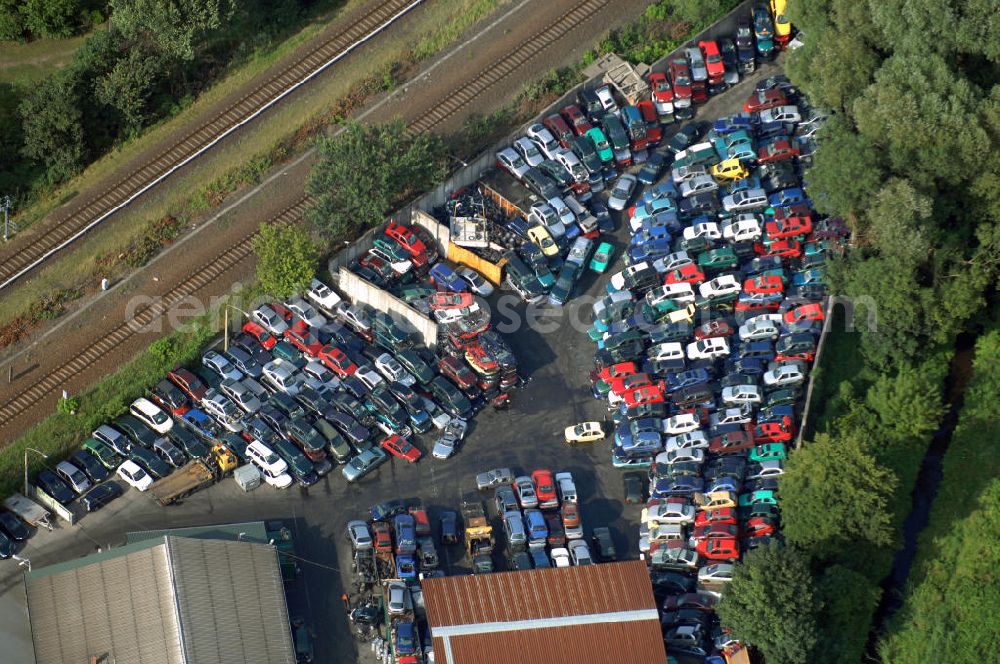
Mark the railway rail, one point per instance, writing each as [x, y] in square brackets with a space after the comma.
[199, 141]
[216, 268]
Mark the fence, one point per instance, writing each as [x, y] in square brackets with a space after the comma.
[47, 501]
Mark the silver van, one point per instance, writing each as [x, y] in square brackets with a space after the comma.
[514, 527]
[73, 476]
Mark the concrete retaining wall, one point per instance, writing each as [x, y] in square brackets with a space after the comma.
[357, 289]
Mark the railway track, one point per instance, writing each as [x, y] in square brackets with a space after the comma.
[194, 144]
[217, 267]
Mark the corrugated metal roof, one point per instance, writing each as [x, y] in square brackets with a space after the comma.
[596, 614]
[175, 601]
[247, 531]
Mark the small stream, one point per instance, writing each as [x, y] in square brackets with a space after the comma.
[924, 492]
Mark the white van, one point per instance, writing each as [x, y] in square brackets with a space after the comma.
[151, 415]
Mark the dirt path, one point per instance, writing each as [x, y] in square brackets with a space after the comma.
[285, 185]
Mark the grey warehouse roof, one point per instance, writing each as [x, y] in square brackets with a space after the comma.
[169, 600]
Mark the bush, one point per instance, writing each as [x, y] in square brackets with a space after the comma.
[287, 258]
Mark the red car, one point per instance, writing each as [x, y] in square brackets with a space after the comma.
[663, 94]
[398, 446]
[789, 227]
[654, 133]
[422, 522]
[545, 489]
[713, 328]
[409, 241]
[690, 274]
[781, 249]
[576, 119]
[774, 432]
[680, 74]
[719, 548]
[170, 398]
[559, 129]
[710, 529]
[644, 395]
[806, 356]
[283, 311]
[266, 339]
[448, 300]
[622, 383]
[733, 441]
[713, 61]
[336, 360]
[382, 535]
[764, 284]
[807, 312]
[616, 370]
[757, 306]
[458, 371]
[759, 526]
[189, 383]
[302, 338]
[721, 515]
[777, 150]
[761, 100]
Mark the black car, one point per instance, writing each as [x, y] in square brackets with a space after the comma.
[190, 443]
[520, 561]
[671, 583]
[252, 347]
[651, 170]
[449, 527]
[137, 432]
[311, 400]
[540, 183]
[556, 171]
[686, 136]
[272, 417]
[245, 362]
[730, 58]
[604, 545]
[150, 462]
[169, 396]
[14, 527]
[169, 452]
[89, 464]
[603, 215]
[7, 546]
[100, 496]
[286, 404]
[386, 510]
[347, 426]
[51, 484]
[692, 206]
[299, 465]
[745, 50]
[586, 152]
[591, 104]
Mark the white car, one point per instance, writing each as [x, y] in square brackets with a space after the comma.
[566, 215]
[560, 557]
[223, 410]
[580, 552]
[682, 174]
[681, 423]
[768, 468]
[708, 349]
[741, 394]
[747, 199]
[681, 292]
[765, 326]
[544, 139]
[368, 376]
[664, 352]
[566, 486]
[717, 573]
[669, 513]
[585, 432]
[270, 320]
[529, 151]
[607, 99]
[708, 229]
[784, 375]
[544, 215]
[390, 367]
[221, 365]
[271, 465]
[323, 296]
[721, 286]
[306, 312]
[672, 262]
[509, 160]
[398, 266]
[789, 114]
[477, 282]
[452, 435]
[134, 476]
[683, 455]
[698, 185]
[743, 228]
[622, 192]
[690, 440]
[282, 376]
[241, 395]
[573, 165]
[617, 279]
[741, 414]
[151, 415]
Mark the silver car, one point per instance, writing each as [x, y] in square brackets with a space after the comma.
[622, 192]
[359, 535]
[525, 490]
[698, 70]
[362, 464]
[448, 442]
[495, 477]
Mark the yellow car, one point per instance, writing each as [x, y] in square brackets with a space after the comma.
[729, 170]
[782, 26]
[682, 315]
[540, 236]
[709, 501]
[587, 432]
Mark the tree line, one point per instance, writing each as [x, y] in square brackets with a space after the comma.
[909, 160]
[21, 20]
[150, 61]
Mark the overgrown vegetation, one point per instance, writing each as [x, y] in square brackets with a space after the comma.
[949, 607]
[665, 26]
[22, 20]
[906, 161]
[287, 258]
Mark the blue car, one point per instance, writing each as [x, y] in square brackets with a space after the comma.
[732, 123]
[752, 182]
[406, 567]
[761, 264]
[678, 486]
[775, 414]
[534, 523]
[202, 424]
[730, 484]
[649, 233]
[787, 197]
[651, 250]
[659, 190]
[810, 276]
[749, 366]
[406, 638]
[620, 459]
[406, 534]
[446, 279]
[677, 381]
[663, 204]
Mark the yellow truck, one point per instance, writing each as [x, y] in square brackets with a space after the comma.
[479, 540]
[183, 482]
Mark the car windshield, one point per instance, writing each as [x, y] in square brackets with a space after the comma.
[160, 417]
[681, 79]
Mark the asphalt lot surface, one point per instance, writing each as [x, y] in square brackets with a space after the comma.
[555, 364]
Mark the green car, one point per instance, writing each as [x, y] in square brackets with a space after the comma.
[758, 497]
[602, 257]
[718, 259]
[594, 334]
[105, 455]
[783, 397]
[414, 293]
[696, 245]
[768, 451]
[601, 143]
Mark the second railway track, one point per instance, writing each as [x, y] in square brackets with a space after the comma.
[217, 267]
[192, 145]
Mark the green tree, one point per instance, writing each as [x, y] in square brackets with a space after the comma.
[11, 21]
[834, 492]
[909, 403]
[833, 70]
[127, 88]
[53, 133]
[849, 601]
[287, 258]
[366, 170]
[900, 222]
[772, 603]
[174, 27]
[51, 18]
